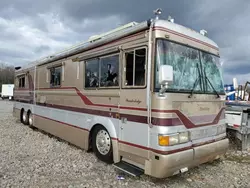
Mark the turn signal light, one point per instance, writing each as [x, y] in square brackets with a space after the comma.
[173, 139]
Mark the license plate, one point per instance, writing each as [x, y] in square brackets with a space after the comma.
[203, 133]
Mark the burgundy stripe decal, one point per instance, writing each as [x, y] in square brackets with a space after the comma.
[188, 123]
[120, 141]
[139, 119]
[80, 110]
[154, 150]
[86, 100]
[136, 145]
[90, 103]
[166, 122]
[185, 36]
[182, 120]
[61, 122]
[20, 89]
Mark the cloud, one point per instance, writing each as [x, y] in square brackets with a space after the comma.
[19, 37]
[226, 24]
[31, 30]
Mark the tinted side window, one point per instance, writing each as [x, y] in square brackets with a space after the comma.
[109, 71]
[92, 73]
[55, 76]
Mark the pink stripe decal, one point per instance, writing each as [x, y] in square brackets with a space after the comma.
[185, 36]
[182, 118]
[61, 122]
[136, 145]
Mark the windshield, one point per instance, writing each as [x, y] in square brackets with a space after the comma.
[212, 70]
[190, 67]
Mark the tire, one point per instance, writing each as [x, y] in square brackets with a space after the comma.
[21, 116]
[30, 119]
[24, 117]
[102, 144]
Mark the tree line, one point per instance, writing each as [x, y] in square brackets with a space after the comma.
[6, 74]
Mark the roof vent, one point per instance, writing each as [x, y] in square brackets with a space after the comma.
[170, 19]
[203, 32]
[17, 68]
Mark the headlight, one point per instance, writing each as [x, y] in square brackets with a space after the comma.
[183, 137]
[221, 129]
[173, 139]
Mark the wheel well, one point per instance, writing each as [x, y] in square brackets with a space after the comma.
[21, 114]
[91, 134]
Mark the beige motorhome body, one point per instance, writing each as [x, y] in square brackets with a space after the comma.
[129, 121]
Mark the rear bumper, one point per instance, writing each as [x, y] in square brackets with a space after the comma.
[169, 165]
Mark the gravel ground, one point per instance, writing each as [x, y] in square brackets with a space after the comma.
[30, 158]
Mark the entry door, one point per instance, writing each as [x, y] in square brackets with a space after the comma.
[133, 112]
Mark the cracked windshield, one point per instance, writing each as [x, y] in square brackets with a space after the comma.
[193, 69]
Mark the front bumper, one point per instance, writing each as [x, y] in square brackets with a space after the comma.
[168, 165]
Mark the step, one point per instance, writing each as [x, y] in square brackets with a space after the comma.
[129, 168]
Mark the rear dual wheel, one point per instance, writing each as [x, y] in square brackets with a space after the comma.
[27, 118]
[30, 119]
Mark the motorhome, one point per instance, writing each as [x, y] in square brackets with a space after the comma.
[145, 97]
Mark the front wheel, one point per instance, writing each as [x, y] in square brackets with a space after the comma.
[102, 144]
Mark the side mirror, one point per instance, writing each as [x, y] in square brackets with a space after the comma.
[166, 74]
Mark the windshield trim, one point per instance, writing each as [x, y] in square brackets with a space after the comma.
[176, 42]
[183, 91]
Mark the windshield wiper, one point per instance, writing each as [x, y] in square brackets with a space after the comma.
[218, 96]
[198, 79]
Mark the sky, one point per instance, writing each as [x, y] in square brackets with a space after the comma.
[31, 29]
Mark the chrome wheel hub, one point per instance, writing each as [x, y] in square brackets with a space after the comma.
[103, 142]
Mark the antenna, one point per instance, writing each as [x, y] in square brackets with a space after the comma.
[170, 19]
[157, 13]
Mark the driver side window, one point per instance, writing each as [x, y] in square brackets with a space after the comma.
[135, 68]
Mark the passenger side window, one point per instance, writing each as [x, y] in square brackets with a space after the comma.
[55, 76]
[109, 71]
[92, 73]
[135, 67]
